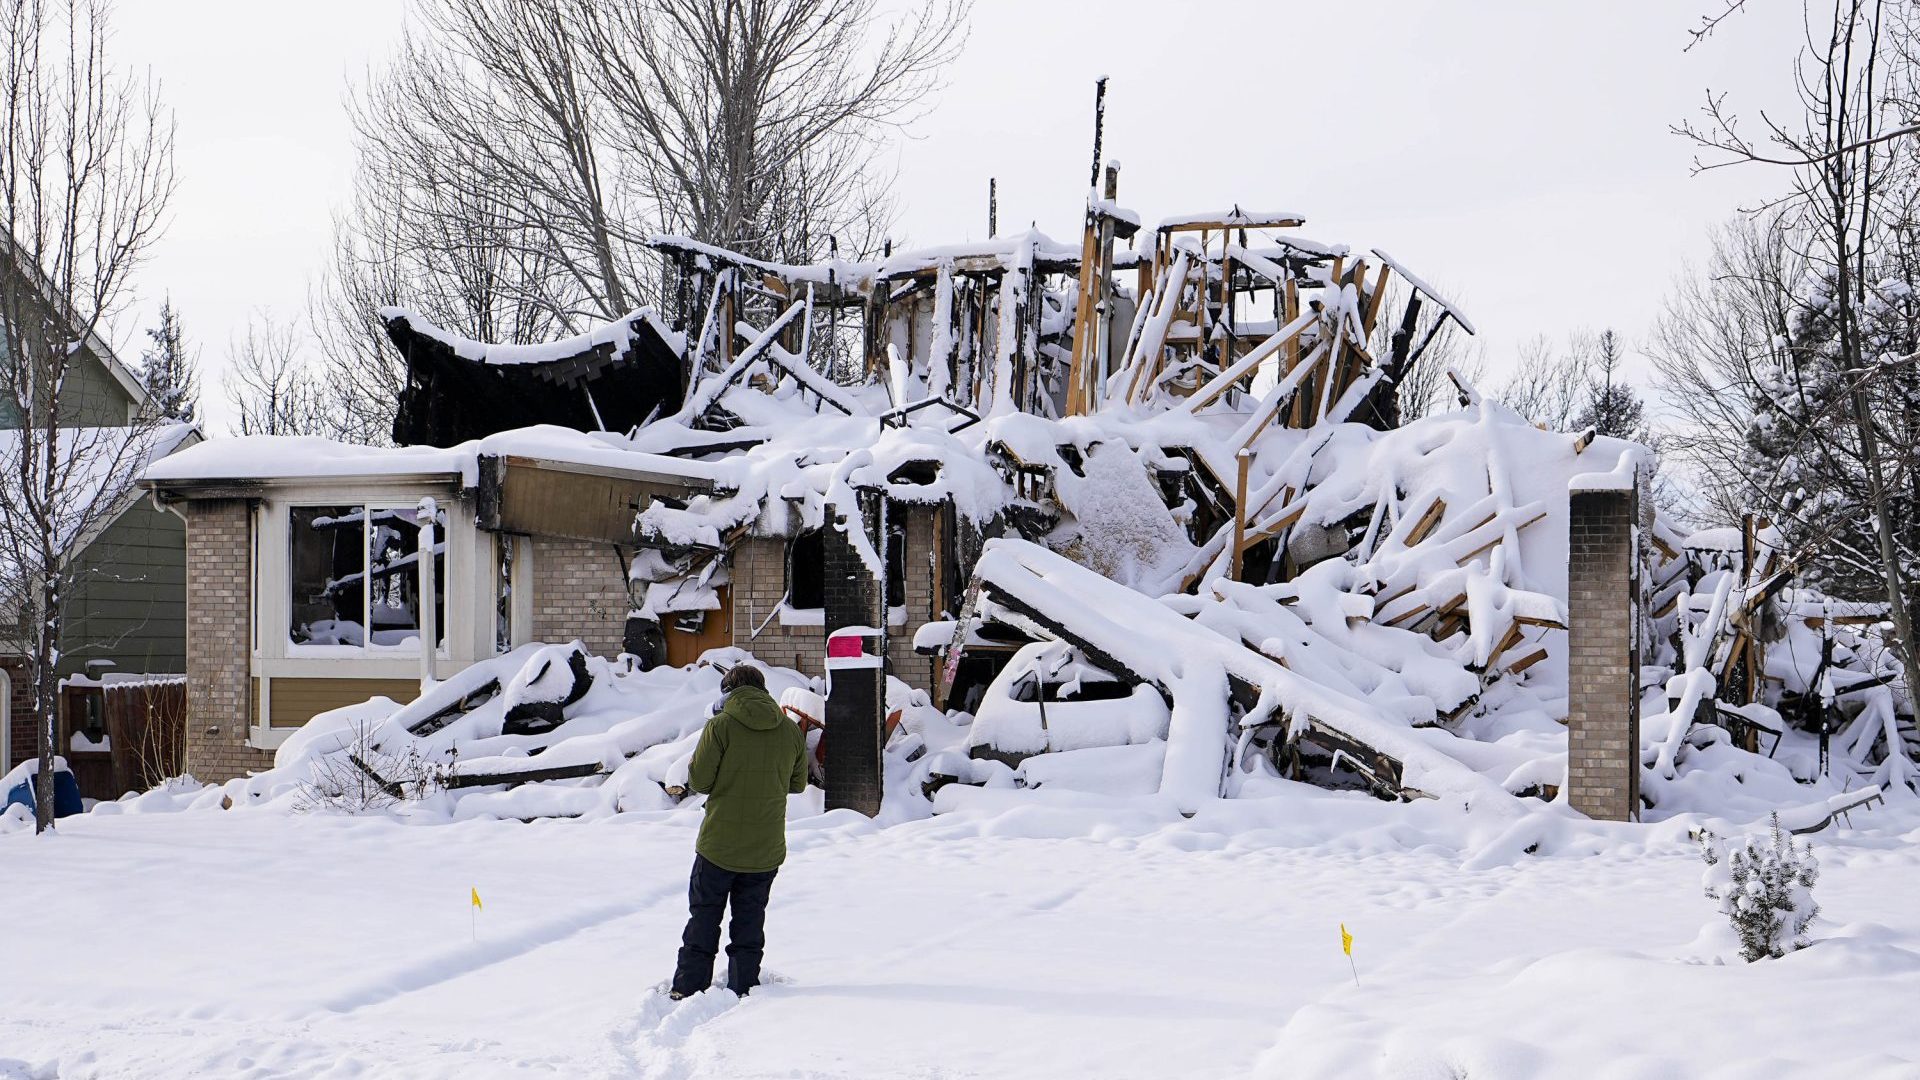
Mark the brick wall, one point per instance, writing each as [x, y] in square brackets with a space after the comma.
[759, 574]
[1603, 694]
[219, 695]
[19, 715]
[580, 591]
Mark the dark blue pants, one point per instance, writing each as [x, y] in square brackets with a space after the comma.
[709, 891]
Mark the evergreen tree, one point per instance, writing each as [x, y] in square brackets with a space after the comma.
[1765, 889]
[168, 370]
[1612, 407]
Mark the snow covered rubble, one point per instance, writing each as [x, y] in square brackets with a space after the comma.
[1393, 665]
[1221, 512]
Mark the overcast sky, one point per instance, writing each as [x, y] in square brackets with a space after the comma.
[1515, 153]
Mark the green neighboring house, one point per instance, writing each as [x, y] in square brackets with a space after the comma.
[128, 608]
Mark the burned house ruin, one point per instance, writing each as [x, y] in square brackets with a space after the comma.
[1137, 513]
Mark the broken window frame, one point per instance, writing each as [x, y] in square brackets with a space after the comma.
[512, 585]
[805, 550]
[368, 510]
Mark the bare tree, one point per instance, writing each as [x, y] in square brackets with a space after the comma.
[272, 389]
[1715, 345]
[755, 125]
[485, 187]
[344, 313]
[86, 170]
[1841, 407]
[516, 155]
[1710, 23]
[1547, 385]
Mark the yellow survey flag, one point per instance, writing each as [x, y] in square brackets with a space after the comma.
[476, 898]
[1346, 939]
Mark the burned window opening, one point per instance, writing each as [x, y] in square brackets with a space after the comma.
[354, 576]
[896, 561]
[807, 571]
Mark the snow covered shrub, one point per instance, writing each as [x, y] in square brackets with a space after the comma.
[1765, 889]
[15, 818]
[361, 778]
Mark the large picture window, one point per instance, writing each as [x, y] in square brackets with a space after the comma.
[354, 577]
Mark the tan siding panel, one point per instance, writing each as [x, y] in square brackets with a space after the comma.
[548, 502]
[296, 701]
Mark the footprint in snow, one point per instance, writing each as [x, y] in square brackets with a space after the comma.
[665, 1022]
[687, 1014]
[1056, 900]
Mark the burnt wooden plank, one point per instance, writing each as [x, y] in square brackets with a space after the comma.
[523, 776]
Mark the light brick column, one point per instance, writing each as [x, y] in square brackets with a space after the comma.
[1603, 684]
[219, 645]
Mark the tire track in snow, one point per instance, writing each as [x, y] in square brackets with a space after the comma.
[449, 964]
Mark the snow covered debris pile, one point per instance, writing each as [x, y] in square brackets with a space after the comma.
[1406, 632]
[1165, 538]
[1410, 655]
[543, 731]
[1770, 696]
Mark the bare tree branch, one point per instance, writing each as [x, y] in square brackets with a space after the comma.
[1709, 23]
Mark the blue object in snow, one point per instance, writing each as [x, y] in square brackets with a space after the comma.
[66, 795]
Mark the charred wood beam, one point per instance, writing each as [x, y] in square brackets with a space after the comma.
[524, 776]
[427, 725]
[391, 787]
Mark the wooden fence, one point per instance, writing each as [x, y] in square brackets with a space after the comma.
[139, 726]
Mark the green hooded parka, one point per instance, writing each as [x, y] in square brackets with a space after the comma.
[750, 758]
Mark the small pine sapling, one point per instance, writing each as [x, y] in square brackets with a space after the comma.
[1765, 888]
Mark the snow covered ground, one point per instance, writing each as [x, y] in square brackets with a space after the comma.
[1053, 936]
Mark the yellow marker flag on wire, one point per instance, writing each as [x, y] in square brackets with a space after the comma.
[478, 905]
[473, 914]
[1346, 946]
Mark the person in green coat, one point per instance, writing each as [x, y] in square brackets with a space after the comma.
[750, 758]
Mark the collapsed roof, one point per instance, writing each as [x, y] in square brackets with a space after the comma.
[614, 377]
